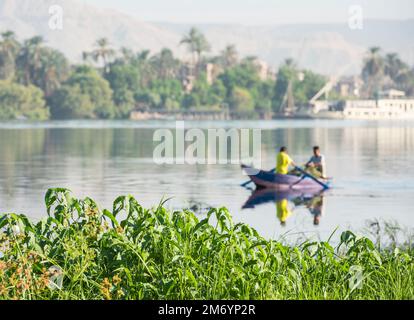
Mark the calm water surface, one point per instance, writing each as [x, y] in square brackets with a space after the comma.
[371, 162]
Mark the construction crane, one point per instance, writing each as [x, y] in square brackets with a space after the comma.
[330, 84]
[288, 104]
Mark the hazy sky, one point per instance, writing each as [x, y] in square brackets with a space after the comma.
[258, 11]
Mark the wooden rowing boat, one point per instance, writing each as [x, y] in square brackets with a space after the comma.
[265, 179]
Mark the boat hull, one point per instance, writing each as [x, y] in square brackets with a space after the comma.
[282, 182]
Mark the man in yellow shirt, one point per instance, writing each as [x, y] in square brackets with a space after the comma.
[283, 162]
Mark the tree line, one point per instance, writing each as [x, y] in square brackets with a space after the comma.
[387, 71]
[38, 82]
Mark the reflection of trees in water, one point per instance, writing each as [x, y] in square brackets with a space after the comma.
[136, 143]
[87, 143]
[377, 141]
[37, 153]
[378, 149]
[380, 141]
[101, 143]
[18, 146]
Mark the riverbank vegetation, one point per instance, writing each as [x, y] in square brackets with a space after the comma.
[82, 252]
[38, 82]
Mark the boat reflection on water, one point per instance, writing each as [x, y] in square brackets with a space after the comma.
[287, 201]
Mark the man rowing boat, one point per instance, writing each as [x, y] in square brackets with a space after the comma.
[316, 165]
[284, 161]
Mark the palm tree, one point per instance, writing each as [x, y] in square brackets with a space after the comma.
[143, 55]
[9, 44]
[165, 64]
[405, 81]
[229, 56]
[394, 67]
[373, 71]
[9, 48]
[29, 59]
[251, 62]
[196, 43]
[103, 52]
[142, 61]
[127, 55]
[55, 70]
[86, 57]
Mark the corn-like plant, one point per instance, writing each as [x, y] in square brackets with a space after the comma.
[81, 252]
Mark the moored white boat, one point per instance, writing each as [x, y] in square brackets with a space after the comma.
[381, 109]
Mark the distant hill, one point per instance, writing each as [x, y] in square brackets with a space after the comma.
[82, 26]
[323, 48]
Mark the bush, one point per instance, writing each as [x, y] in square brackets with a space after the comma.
[21, 102]
[84, 95]
[241, 100]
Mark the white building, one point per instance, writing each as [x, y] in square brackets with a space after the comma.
[365, 109]
[390, 105]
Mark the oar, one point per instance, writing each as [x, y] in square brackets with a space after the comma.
[325, 186]
[250, 181]
[297, 182]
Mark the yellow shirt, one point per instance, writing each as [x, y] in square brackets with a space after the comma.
[283, 163]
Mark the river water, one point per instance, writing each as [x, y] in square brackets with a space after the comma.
[372, 164]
